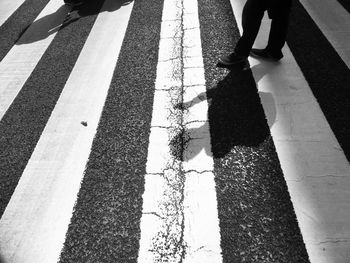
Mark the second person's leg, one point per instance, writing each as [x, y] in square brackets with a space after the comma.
[278, 31]
[252, 15]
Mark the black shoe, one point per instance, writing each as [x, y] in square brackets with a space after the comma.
[231, 60]
[73, 2]
[265, 54]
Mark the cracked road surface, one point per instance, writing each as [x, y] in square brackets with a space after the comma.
[175, 212]
[121, 141]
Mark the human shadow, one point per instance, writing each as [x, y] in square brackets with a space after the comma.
[189, 142]
[44, 26]
[236, 118]
[65, 15]
[269, 105]
[267, 100]
[87, 9]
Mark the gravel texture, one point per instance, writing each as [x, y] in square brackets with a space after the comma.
[257, 219]
[17, 23]
[105, 226]
[24, 121]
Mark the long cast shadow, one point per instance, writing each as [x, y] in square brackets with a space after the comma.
[235, 118]
[52, 23]
[257, 219]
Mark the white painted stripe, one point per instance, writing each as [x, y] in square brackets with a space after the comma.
[180, 218]
[314, 165]
[7, 7]
[334, 22]
[35, 222]
[21, 60]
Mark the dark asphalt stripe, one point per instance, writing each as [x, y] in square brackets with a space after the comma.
[326, 73]
[345, 4]
[257, 219]
[105, 226]
[17, 23]
[23, 123]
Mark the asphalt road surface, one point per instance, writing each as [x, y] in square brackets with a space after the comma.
[122, 141]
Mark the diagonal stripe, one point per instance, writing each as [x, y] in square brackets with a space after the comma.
[328, 78]
[25, 120]
[35, 221]
[21, 60]
[324, 70]
[345, 4]
[17, 23]
[7, 7]
[334, 22]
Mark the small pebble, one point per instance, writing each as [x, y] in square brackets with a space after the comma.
[84, 123]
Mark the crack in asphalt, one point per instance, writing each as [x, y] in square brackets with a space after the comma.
[334, 241]
[153, 213]
[169, 244]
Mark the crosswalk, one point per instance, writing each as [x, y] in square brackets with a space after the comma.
[121, 141]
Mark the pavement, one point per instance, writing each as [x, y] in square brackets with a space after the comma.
[122, 141]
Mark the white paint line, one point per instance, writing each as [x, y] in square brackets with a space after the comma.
[180, 219]
[35, 222]
[314, 166]
[169, 73]
[200, 214]
[7, 7]
[198, 155]
[21, 60]
[334, 22]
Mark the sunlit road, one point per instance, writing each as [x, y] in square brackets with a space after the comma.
[122, 141]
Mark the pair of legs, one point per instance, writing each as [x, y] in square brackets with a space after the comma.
[252, 15]
[253, 12]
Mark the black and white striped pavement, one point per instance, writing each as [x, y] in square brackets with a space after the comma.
[121, 141]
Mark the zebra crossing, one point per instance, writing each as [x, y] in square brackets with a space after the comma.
[302, 126]
[8, 8]
[59, 158]
[16, 73]
[134, 147]
[179, 199]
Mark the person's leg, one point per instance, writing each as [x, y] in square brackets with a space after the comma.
[252, 15]
[253, 12]
[278, 31]
[277, 36]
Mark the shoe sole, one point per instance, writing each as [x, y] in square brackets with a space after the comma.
[265, 58]
[242, 65]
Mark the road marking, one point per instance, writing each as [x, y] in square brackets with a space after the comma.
[313, 163]
[7, 7]
[21, 60]
[180, 219]
[334, 22]
[35, 222]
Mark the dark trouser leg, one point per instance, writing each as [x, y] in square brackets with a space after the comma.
[253, 12]
[278, 34]
[279, 26]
